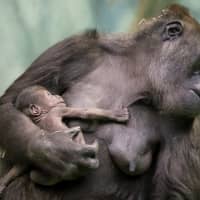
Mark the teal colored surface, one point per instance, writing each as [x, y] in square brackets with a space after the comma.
[28, 27]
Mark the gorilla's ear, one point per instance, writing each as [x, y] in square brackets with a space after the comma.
[35, 110]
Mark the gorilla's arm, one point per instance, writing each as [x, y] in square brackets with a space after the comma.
[25, 142]
[16, 132]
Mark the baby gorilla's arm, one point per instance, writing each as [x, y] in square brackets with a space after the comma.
[120, 115]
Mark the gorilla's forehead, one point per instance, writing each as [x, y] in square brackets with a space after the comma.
[111, 85]
[173, 12]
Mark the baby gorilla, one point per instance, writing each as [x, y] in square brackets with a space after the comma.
[47, 111]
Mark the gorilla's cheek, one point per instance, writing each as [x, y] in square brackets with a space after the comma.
[183, 100]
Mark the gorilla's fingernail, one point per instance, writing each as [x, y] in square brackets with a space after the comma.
[95, 146]
[94, 163]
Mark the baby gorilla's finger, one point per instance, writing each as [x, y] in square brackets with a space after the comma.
[121, 115]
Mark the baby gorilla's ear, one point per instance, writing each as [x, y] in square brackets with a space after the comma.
[35, 110]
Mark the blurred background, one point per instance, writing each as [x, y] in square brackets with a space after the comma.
[28, 27]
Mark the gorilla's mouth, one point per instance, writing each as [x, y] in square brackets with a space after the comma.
[196, 92]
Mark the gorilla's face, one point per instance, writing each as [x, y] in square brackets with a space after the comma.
[175, 65]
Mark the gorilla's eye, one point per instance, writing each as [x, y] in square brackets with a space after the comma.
[172, 30]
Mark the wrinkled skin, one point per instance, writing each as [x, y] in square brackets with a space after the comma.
[160, 63]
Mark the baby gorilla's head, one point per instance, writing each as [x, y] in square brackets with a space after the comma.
[35, 100]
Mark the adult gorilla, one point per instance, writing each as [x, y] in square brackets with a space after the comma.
[160, 62]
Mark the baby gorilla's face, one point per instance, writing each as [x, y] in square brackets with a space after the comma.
[48, 100]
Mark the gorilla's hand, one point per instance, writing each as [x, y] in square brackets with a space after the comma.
[62, 157]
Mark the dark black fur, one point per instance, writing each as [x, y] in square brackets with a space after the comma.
[109, 72]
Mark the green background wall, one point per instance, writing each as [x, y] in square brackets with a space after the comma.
[28, 27]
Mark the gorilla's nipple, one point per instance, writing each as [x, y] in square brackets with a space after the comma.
[132, 167]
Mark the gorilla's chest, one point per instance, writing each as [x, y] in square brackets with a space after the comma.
[105, 87]
[105, 183]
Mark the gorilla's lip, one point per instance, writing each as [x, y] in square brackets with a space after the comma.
[196, 65]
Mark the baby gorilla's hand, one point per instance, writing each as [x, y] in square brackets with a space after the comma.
[121, 115]
[59, 156]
